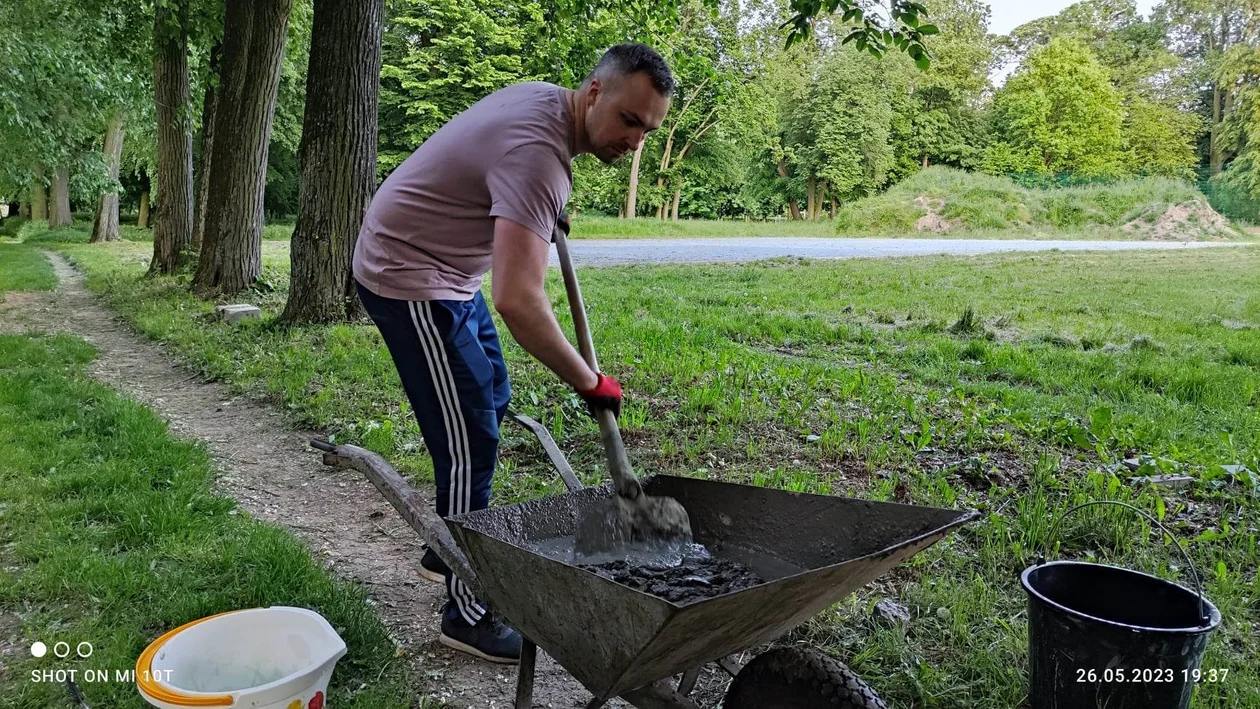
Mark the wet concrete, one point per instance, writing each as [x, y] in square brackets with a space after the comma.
[693, 580]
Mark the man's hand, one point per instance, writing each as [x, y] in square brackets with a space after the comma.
[605, 395]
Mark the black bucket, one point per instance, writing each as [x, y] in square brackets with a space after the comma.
[1101, 636]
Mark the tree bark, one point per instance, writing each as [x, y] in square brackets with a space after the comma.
[338, 158]
[172, 224]
[822, 199]
[1216, 156]
[677, 194]
[105, 226]
[253, 50]
[925, 161]
[810, 203]
[632, 197]
[24, 210]
[202, 170]
[142, 220]
[59, 208]
[39, 196]
[795, 210]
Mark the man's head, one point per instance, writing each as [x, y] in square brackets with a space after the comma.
[626, 97]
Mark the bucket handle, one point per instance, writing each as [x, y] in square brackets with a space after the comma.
[1198, 584]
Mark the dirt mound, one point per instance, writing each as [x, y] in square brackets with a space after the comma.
[933, 221]
[1192, 220]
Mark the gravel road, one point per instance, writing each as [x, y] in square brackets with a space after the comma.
[607, 252]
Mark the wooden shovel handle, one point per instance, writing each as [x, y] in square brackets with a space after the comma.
[618, 463]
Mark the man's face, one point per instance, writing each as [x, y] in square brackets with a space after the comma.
[621, 113]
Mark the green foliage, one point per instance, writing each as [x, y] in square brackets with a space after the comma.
[1161, 139]
[1230, 194]
[441, 57]
[1059, 113]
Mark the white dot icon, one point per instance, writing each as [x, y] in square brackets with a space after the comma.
[39, 649]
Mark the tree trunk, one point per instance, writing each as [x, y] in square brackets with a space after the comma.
[795, 210]
[925, 161]
[253, 50]
[632, 197]
[39, 196]
[338, 158]
[822, 199]
[202, 169]
[810, 203]
[24, 210]
[1216, 156]
[59, 208]
[143, 220]
[105, 226]
[677, 194]
[172, 224]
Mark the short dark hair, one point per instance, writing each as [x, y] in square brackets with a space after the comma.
[631, 58]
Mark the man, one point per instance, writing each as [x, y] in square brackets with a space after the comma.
[485, 192]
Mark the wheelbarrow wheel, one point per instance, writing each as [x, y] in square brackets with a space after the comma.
[794, 678]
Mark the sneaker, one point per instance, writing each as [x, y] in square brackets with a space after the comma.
[490, 639]
[432, 567]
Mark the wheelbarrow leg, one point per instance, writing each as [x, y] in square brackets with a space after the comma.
[688, 681]
[525, 674]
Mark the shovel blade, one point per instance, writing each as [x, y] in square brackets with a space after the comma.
[619, 523]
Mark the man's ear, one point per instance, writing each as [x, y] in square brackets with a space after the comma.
[592, 90]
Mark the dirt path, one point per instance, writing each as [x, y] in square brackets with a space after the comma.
[275, 476]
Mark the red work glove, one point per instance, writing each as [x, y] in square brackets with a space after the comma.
[604, 395]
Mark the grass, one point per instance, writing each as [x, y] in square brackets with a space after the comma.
[113, 536]
[1011, 384]
[977, 202]
[25, 268]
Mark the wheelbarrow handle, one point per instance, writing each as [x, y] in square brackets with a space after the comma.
[409, 504]
[626, 483]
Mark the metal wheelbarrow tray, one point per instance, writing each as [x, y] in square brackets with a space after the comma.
[811, 550]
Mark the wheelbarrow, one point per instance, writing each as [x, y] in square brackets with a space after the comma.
[811, 550]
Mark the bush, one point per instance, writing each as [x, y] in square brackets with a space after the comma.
[10, 226]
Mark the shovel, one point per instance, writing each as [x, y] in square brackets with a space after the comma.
[630, 518]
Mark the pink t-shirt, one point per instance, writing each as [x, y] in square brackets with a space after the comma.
[429, 231]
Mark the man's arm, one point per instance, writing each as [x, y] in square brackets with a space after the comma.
[516, 287]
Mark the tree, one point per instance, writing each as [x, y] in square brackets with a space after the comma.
[253, 49]
[1059, 113]
[59, 204]
[105, 225]
[850, 117]
[440, 57]
[1240, 70]
[338, 157]
[1204, 32]
[1161, 139]
[172, 224]
[201, 170]
[938, 117]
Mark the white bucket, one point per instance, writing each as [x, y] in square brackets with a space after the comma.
[263, 658]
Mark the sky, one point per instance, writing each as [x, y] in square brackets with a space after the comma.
[1009, 14]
